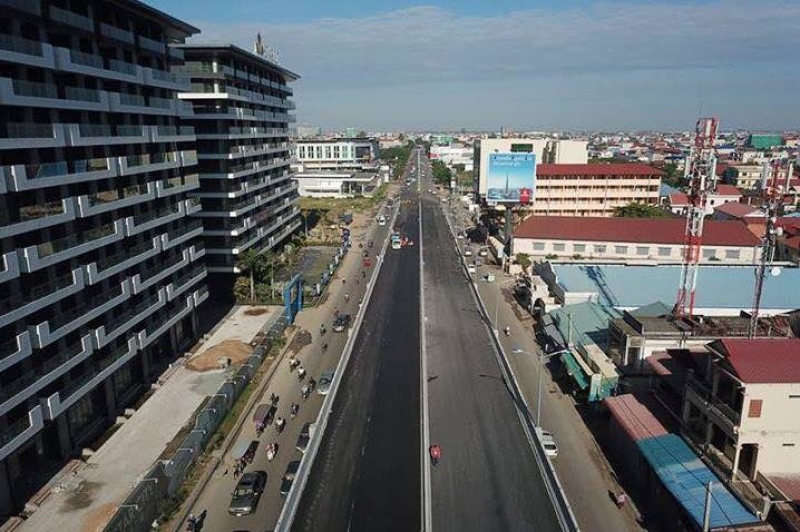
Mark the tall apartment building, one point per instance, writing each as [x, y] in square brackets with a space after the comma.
[337, 154]
[101, 263]
[241, 117]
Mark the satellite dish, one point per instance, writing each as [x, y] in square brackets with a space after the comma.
[775, 271]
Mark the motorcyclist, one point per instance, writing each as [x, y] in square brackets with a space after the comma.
[436, 453]
[507, 330]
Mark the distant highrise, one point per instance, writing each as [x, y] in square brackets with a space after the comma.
[350, 132]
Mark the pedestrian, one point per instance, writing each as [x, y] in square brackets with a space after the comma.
[621, 499]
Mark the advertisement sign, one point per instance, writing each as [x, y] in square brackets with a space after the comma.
[511, 178]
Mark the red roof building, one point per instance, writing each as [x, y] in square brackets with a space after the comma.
[736, 211]
[761, 360]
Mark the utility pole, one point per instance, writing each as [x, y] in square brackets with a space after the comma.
[707, 509]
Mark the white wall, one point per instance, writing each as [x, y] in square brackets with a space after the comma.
[777, 430]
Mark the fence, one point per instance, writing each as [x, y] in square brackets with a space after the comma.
[146, 502]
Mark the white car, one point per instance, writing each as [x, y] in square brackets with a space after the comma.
[468, 252]
[471, 268]
[549, 443]
[483, 253]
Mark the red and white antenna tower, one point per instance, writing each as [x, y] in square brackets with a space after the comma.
[701, 171]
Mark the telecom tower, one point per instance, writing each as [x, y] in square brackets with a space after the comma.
[773, 194]
[701, 172]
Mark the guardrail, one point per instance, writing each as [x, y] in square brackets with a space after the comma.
[289, 509]
[555, 491]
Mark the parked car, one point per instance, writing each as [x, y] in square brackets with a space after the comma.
[248, 492]
[305, 436]
[468, 252]
[483, 252]
[549, 443]
[324, 382]
[341, 322]
[471, 268]
[288, 478]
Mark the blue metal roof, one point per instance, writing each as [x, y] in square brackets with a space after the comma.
[722, 287]
[686, 476]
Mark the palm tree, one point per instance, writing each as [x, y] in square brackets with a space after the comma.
[250, 262]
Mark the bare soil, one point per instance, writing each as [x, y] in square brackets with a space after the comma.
[236, 350]
[98, 519]
[260, 311]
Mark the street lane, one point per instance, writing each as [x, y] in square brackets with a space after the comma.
[366, 475]
[488, 478]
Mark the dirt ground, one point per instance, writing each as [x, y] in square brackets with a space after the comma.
[234, 349]
[259, 311]
[100, 518]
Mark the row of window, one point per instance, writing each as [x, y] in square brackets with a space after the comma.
[639, 251]
[335, 151]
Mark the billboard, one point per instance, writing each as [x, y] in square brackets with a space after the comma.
[511, 178]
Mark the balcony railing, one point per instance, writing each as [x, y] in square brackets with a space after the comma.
[58, 245]
[68, 390]
[34, 7]
[34, 89]
[131, 99]
[64, 317]
[42, 210]
[714, 402]
[118, 258]
[16, 301]
[116, 33]
[45, 170]
[20, 45]
[17, 130]
[83, 95]
[122, 67]
[161, 103]
[71, 19]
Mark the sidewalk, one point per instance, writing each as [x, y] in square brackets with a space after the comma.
[581, 466]
[88, 498]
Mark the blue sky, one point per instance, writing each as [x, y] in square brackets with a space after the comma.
[552, 64]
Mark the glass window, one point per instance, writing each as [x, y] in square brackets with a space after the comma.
[664, 252]
[522, 148]
[621, 250]
[579, 248]
[599, 248]
[538, 246]
[732, 253]
[642, 251]
[558, 247]
[709, 253]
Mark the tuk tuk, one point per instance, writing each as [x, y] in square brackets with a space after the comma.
[264, 414]
[245, 451]
[367, 262]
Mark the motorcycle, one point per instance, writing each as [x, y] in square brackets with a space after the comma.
[280, 424]
[301, 373]
[295, 408]
[304, 391]
[272, 450]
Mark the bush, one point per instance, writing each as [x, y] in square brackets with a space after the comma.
[577, 256]
[551, 256]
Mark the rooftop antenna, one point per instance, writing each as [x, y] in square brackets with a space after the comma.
[702, 180]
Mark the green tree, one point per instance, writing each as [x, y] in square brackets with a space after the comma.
[672, 176]
[441, 173]
[524, 260]
[640, 210]
[251, 263]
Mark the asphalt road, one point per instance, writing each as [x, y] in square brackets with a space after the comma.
[488, 478]
[366, 475]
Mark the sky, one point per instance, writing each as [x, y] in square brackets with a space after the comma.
[609, 65]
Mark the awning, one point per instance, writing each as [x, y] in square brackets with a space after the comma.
[574, 369]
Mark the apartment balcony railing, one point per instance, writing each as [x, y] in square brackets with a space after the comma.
[175, 53]
[71, 19]
[18, 306]
[114, 32]
[123, 322]
[152, 45]
[33, 176]
[38, 216]
[119, 262]
[67, 321]
[48, 253]
[177, 185]
[165, 79]
[97, 134]
[10, 266]
[185, 281]
[200, 295]
[193, 205]
[17, 135]
[34, 7]
[158, 327]
[51, 369]
[143, 222]
[148, 277]
[17, 433]
[68, 395]
[723, 413]
[111, 200]
[175, 237]
[15, 349]
[149, 162]
[25, 51]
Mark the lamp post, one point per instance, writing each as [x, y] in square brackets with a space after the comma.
[541, 358]
[497, 301]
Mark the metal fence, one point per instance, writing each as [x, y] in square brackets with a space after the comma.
[163, 481]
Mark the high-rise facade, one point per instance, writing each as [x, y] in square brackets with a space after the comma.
[241, 117]
[102, 262]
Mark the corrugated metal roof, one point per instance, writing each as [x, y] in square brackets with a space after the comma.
[787, 484]
[634, 417]
[588, 322]
[762, 360]
[686, 476]
[636, 230]
[635, 286]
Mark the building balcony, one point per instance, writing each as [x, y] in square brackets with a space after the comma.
[39, 216]
[166, 80]
[10, 264]
[149, 162]
[32, 176]
[71, 19]
[175, 53]
[193, 205]
[111, 200]
[237, 132]
[192, 229]
[26, 52]
[722, 414]
[15, 349]
[146, 279]
[102, 135]
[154, 218]
[48, 253]
[32, 94]
[154, 330]
[235, 171]
[173, 134]
[119, 34]
[27, 135]
[78, 62]
[67, 321]
[125, 321]
[246, 225]
[177, 185]
[119, 262]
[14, 435]
[32, 7]
[199, 296]
[247, 151]
[152, 45]
[185, 281]
[60, 401]
[51, 369]
[197, 251]
[15, 307]
[119, 102]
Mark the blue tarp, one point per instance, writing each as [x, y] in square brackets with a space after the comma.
[686, 476]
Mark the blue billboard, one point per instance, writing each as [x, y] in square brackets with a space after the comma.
[511, 178]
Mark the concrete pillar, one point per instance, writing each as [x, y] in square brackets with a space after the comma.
[173, 340]
[195, 324]
[736, 461]
[709, 428]
[111, 399]
[715, 384]
[64, 441]
[6, 495]
[145, 358]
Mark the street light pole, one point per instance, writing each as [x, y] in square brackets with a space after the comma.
[497, 301]
[542, 358]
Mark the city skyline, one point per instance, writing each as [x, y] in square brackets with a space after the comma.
[573, 65]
